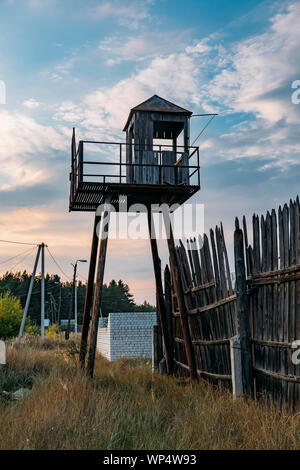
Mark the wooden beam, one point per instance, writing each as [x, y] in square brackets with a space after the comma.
[243, 325]
[180, 298]
[98, 287]
[160, 295]
[89, 293]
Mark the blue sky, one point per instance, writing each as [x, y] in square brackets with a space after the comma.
[86, 63]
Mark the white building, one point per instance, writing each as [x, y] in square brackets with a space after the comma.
[126, 335]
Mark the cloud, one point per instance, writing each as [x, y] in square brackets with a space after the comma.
[63, 69]
[259, 72]
[252, 158]
[25, 148]
[105, 110]
[31, 103]
[131, 14]
[244, 77]
[35, 5]
[199, 48]
[142, 47]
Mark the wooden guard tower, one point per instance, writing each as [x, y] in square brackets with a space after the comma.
[146, 171]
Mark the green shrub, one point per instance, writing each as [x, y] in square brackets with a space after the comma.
[53, 331]
[11, 313]
[34, 330]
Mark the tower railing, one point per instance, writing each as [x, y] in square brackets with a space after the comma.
[105, 162]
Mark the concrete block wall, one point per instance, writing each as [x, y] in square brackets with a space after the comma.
[103, 342]
[127, 335]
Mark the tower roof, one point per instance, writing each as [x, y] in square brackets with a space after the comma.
[157, 104]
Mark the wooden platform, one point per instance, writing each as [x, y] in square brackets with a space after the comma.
[88, 195]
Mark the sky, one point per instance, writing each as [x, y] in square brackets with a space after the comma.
[84, 64]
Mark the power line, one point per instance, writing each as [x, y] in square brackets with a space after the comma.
[38, 292]
[21, 260]
[18, 243]
[69, 277]
[16, 256]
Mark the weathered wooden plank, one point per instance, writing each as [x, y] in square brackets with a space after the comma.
[287, 378]
[292, 293]
[297, 297]
[216, 266]
[217, 304]
[286, 311]
[89, 293]
[243, 311]
[168, 303]
[98, 287]
[180, 298]
[214, 342]
[168, 174]
[160, 295]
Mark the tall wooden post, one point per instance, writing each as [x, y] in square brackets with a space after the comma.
[180, 298]
[89, 293]
[243, 327]
[160, 294]
[168, 304]
[98, 287]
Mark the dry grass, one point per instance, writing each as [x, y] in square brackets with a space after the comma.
[125, 408]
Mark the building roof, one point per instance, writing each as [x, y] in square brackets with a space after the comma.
[157, 104]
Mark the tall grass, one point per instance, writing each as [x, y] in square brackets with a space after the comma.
[124, 407]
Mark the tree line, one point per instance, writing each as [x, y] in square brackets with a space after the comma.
[116, 296]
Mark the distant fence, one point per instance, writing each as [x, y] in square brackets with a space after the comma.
[242, 336]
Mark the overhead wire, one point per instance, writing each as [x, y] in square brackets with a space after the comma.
[18, 243]
[27, 253]
[59, 267]
[15, 256]
[205, 127]
[22, 259]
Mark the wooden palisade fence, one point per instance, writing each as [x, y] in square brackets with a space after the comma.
[242, 334]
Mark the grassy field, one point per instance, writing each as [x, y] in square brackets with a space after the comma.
[124, 407]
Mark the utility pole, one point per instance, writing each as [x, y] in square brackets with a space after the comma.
[29, 292]
[59, 305]
[43, 292]
[73, 300]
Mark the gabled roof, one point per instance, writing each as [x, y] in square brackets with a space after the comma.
[157, 104]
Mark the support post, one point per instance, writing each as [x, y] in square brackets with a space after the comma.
[89, 293]
[2, 353]
[59, 305]
[75, 308]
[98, 287]
[71, 305]
[160, 294]
[80, 163]
[168, 303]
[155, 347]
[29, 292]
[243, 327]
[43, 291]
[236, 366]
[180, 298]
